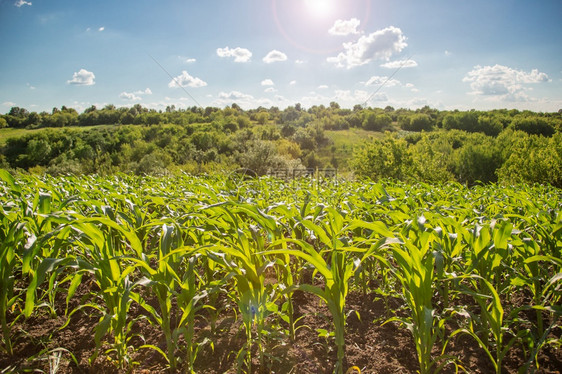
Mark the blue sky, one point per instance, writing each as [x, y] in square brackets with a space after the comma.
[404, 53]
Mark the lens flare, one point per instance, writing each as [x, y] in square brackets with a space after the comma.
[320, 8]
[305, 23]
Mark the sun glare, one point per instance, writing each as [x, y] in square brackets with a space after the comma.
[320, 8]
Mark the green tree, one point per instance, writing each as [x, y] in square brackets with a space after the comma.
[262, 118]
[261, 156]
[384, 158]
[477, 163]
[417, 122]
[376, 122]
[533, 126]
[532, 159]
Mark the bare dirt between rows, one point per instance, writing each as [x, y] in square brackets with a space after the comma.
[370, 345]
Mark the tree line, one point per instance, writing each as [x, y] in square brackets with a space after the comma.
[424, 144]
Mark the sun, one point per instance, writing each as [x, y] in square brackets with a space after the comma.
[320, 8]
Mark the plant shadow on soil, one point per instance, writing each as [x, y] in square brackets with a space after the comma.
[370, 345]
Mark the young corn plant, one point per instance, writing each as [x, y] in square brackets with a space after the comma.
[496, 324]
[242, 255]
[14, 240]
[531, 275]
[488, 257]
[414, 269]
[175, 278]
[103, 257]
[337, 269]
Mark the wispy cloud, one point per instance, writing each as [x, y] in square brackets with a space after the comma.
[267, 82]
[129, 96]
[503, 82]
[235, 95]
[377, 80]
[136, 95]
[101, 28]
[239, 54]
[345, 27]
[244, 100]
[82, 77]
[184, 79]
[400, 64]
[379, 45]
[21, 3]
[274, 56]
[146, 91]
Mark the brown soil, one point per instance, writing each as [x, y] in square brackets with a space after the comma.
[372, 346]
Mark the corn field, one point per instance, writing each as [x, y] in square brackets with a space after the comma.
[164, 268]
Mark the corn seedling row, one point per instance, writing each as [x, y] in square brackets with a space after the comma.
[180, 249]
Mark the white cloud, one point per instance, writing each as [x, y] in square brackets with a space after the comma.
[292, 83]
[9, 103]
[190, 60]
[30, 86]
[239, 54]
[267, 82]
[244, 100]
[146, 91]
[411, 87]
[400, 64]
[323, 87]
[379, 45]
[82, 77]
[270, 90]
[300, 62]
[448, 53]
[502, 82]
[274, 56]
[21, 3]
[129, 96]
[235, 95]
[346, 27]
[347, 97]
[378, 80]
[184, 79]
[132, 96]
[101, 28]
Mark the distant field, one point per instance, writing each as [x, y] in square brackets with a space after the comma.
[344, 142]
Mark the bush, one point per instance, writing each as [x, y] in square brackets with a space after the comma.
[384, 158]
[417, 122]
[533, 159]
[533, 126]
[376, 122]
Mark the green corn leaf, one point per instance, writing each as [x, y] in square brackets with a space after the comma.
[76, 281]
[318, 232]
[102, 328]
[46, 266]
[376, 227]
[10, 181]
